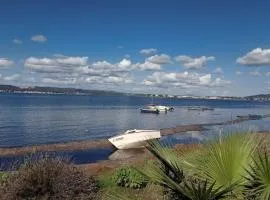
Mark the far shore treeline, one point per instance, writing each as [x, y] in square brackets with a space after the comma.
[77, 91]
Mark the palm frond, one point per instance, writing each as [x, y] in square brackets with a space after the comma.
[224, 160]
[258, 177]
[203, 191]
[168, 173]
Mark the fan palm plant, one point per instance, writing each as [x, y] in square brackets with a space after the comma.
[168, 172]
[225, 159]
[258, 177]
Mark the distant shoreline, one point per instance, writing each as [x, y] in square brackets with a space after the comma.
[85, 92]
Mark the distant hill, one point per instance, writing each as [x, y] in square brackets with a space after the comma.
[54, 90]
[75, 91]
[259, 97]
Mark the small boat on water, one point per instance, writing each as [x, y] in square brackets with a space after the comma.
[134, 138]
[160, 107]
[149, 110]
[199, 108]
[250, 117]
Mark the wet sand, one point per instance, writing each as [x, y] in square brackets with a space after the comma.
[104, 143]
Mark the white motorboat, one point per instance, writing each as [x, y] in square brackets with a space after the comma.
[134, 138]
[160, 108]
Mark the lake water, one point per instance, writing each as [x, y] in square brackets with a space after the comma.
[28, 119]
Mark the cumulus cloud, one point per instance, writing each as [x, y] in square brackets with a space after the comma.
[238, 73]
[17, 41]
[13, 77]
[148, 66]
[108, 80]
[183, 80]
[55, 65]
[5, 62]
[255, 73]
[218, 70]
[39, 38]
[105, 68]
[66, 70]
[148, 52]
[160, 59]
[255, 57]
[60, 80]
[193, 63]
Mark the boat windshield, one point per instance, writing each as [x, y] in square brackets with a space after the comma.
[130, 131]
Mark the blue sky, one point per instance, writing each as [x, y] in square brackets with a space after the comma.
[172, 47]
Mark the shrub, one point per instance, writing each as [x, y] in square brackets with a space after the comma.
[129, 177]
[49, 178]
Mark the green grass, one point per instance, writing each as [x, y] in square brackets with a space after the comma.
[3, 176]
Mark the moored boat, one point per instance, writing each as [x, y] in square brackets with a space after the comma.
[250, 117]
[200, 108]
[134, 138]
[160, 107]
[149, 110]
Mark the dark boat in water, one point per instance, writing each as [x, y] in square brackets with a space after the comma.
[250, 116]
[153, 111]
[199, 108]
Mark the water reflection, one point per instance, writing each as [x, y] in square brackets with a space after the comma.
[127, 154]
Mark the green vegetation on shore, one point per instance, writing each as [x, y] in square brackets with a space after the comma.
[233, 166]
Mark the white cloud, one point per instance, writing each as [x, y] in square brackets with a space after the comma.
[183, 80]
[255, 73]
[4, 62]
[125, 63]
[60, 81]
[55, 65]
[218, 82]
[13, 77]
[205, 79]
[267, 74]
[39, 38]
[148, 66]
[108, 80]
[65, 70]
[218, 70]
[255, 57]
[193, 63]
[17, 41]
[160, 59]
[148, 52]
[118, 80]
[238, 73]
[105, 68]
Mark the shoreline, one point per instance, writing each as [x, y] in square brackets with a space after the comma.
[104, 143]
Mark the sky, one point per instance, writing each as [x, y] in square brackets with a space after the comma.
[204, 48]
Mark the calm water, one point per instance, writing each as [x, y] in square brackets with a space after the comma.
[36, 119]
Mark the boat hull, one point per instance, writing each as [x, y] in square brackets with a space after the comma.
[153, 111]
[135, 140]
[160, 108]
